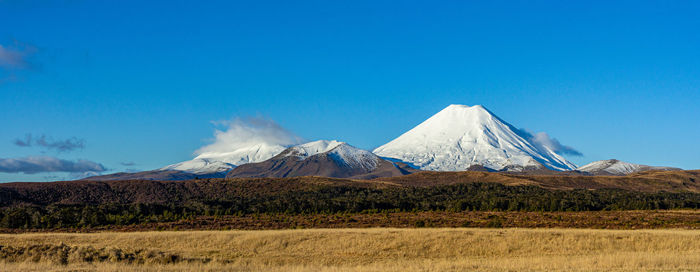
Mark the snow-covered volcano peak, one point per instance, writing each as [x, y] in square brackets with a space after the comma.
[461, 136]
[455, 119]
[477, 111]
[460, 107]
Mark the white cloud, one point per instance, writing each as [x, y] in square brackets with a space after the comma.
[542, 139]
[240, 133]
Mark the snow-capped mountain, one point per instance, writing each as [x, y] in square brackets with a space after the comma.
[618, 168]
[207, 163]
[322, 158]
[459, 137]
[341, 152]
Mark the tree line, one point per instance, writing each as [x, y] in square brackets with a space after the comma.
[342, 199]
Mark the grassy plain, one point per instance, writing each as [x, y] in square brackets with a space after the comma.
[373, 249]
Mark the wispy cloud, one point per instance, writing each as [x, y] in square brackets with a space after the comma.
[12, 58]
[66, 145]
[16, 57]
[542, 139]
[127, 163]
[27, 142]
[244, 132]
[44, 164]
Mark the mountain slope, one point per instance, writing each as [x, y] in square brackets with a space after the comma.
[323, 158]
[618, 168]
[206, 165]
[459, 137]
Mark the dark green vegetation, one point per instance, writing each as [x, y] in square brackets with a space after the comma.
[109, 204]
[72, 208]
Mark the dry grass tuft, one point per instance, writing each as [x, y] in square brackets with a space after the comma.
[356, 250]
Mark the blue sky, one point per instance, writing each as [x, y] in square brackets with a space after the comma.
[137, 85]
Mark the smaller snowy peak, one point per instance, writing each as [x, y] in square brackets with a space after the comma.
[616, 167]
[207, 163]
[200, 166]
[306, 150]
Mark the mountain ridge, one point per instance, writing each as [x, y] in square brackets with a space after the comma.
[619, 168]
[322, 158]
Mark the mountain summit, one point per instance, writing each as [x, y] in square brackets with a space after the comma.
[461, 137]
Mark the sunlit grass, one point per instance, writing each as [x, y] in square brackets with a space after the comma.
[376, 250]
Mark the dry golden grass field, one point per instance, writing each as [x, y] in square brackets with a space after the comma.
[379, 249]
